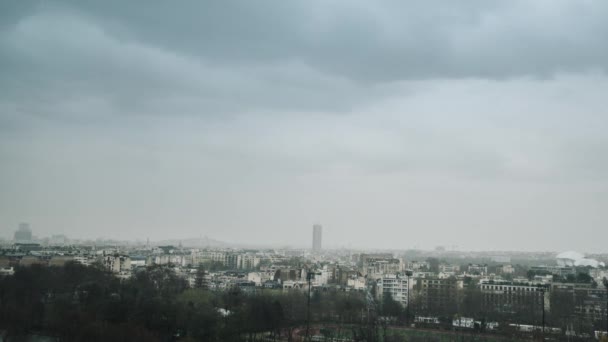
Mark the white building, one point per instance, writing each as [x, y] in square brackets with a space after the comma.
[572, 258]
[356, 283]
[377, 268]
[83, 260]
[172, 259]
[463, 322]
[507, 269]
[6, 271]
[248, 261]
[117, 263]
[259, 277]
[446, 268]
[477, 269]
[419, 265]
[394, 284]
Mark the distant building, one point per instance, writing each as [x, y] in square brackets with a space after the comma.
[83, 260]
[478, 269]
[556, 270]
[447, 268]
[571, 258]
[418, 265]
[375, 266]
[589, 302]
[138, 261]
[504, 259]
[505, 296]
[58, 240]
[27, 247]
[356, 283]
[230, 260]
[171, 259]
[23, 233]
[248, 262]
[7, 271]
[507, 269]
[117, 263]
[284, 274]
[317, 231]
[463, 322]
[394, 285]
[438, 295]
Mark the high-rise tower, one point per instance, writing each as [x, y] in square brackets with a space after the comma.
[317, 231]
[23, 234]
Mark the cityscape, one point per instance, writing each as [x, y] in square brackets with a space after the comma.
[394, 294]
[303, 170]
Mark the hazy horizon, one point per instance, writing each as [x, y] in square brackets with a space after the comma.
[394, 124]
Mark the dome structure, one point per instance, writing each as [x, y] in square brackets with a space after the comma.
[572, 255]
[587, 262]
[572, 258]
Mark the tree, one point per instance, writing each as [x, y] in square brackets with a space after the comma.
[433, 264]
[472, 304]
[390, 307]
[584, 278]
[199, 280]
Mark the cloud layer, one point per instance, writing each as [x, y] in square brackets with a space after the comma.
[395, 124]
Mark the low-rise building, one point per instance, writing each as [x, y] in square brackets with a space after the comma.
[117, 263]
[7, 271]
[505, 296]
[419, 265]
[447, 268]
[477, 269]
[507, 269]
[438, 295]
[356, 283]
[589, 302]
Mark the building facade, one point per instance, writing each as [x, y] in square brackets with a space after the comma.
[582, 300]
[395, 285]
[23, 233]
[503, 296]
[438, 295]
[317, 232]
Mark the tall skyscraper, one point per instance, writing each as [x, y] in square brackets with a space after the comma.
[317, 231]
[23, 234]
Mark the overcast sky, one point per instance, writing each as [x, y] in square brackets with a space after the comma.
[395, 124]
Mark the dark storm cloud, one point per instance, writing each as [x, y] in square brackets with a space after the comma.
[207, 57]
[366, 41]
[59, 54]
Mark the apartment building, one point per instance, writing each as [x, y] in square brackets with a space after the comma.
[395, 285]
[504, 296]
[438, 295]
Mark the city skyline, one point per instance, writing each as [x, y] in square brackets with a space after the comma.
[303, 170]
[61, 239]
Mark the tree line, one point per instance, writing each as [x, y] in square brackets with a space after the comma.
[79, 303]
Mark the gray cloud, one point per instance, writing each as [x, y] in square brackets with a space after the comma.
[314, 56]
[249, 120]
[382, 41]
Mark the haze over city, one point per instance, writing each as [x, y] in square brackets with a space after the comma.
[477, 124]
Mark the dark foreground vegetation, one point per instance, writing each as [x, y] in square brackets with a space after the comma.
[78, 303]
